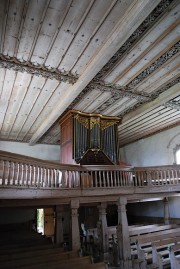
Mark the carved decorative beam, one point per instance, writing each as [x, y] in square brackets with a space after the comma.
[154, 66]
[28, 67]
[157, 93]
[122, 91]
[146, 24]
[173, 104]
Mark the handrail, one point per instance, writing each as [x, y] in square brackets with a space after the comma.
[22, 171]
[157, 175]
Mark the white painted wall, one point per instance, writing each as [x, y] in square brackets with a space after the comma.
[40, 151]
[156, 208]
[148, 209]
[174, 205]
[154, 150]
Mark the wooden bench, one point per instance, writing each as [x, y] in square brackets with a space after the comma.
[156, 236]
[151, 229]
[160, 251]
[75, 263]
[175, 259]
[61, 263]
[136, 231]
[31, 253]
[24, 262]
[142, 249]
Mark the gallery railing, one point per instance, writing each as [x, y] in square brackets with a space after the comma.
[157, 176]
[22, 171]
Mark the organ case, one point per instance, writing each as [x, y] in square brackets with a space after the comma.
[94, 138]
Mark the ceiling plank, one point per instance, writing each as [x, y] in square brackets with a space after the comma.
[160, 100]
[155, 120]
[151, 42]
[172, 122]
[9, 80]
[137, 11]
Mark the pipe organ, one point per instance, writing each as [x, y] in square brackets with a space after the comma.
[93, 138]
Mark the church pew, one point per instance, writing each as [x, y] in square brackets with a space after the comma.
[100, 265]
[151, 229]
[156, 252]
[136, 232]
[75, 263]
[61, 263]
[19, 248]
[175, 259]
[24, 262]
[160, 251]
[154, 236]
[32, 253]
[112, 229]
[142, 229]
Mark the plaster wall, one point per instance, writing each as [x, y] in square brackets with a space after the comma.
[40, 151]
[154, 150]
[155, 208]
[148, 209]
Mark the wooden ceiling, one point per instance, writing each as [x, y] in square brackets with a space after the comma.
[116, 58]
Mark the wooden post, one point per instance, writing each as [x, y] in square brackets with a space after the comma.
[59, 225]
[102, 218]
[166, 210]
[75, 225]
[123, 236]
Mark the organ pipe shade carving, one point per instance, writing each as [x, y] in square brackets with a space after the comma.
[95, 135]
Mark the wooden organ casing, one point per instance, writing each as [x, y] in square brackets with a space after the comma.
[89, 138]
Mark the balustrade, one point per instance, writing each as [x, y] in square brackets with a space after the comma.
[21, 171]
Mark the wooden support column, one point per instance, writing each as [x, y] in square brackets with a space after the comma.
[103, 224]
[75, 225]
[123, 235]
[166, 210]
[59, 225]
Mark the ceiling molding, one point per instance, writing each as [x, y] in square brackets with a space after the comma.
[28, 67]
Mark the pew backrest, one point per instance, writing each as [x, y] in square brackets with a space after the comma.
[156, 236]
[175, 261]
[162, 245]
[151, 229]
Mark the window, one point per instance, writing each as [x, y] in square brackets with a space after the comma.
[177, 154]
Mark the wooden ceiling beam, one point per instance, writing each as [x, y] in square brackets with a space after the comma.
[134, 15]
